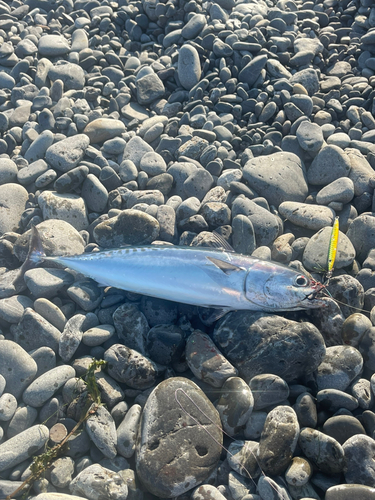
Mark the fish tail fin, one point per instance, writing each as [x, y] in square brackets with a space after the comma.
[36, 253]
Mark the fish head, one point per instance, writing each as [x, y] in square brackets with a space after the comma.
[274, 287]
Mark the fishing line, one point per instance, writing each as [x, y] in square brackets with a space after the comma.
[179, 389]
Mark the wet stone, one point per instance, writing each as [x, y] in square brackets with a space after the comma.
[268, 390]
[349, 292]
[16, 366]
[278, 440]
[324, 451]
[130, 367]
[206, 361]
[306, 411]
[248, 341]
[235, 405]
[131, 326]
[70, 180]
[101, 429]
[174, 444]
[349, 491]
[339, 367]
[45, 386]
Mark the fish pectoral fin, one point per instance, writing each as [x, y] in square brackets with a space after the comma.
[224, 266]
[210, 315]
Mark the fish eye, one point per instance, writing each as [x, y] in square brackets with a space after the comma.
[301, 280]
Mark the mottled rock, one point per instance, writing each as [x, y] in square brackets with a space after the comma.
[96, 481]
[235, 405]
[101, 429]
[324, 451]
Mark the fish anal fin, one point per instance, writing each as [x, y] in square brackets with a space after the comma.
[221, 242]
[224, 266]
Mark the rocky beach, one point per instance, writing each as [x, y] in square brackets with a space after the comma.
[142, 122]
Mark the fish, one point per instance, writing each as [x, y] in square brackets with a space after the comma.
[210, 277]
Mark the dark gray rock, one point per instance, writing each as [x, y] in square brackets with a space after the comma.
[268, 390]
[251, 342]
[235, 405]
[324, 451]
[131, 326]
[329, 164]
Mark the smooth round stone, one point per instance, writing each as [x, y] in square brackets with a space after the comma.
[308, 216]
[131, 326]
[58, 496]
[8, 406]
[71, 74]
[189, 68]
[361, 172]
[235, 405]
[58, 238]
[228, 176]
[127, 432]
[97, 335]
[333, 399]
[248, 340]
[339, 367]
[101, 429]
[13, 198]
[102, 129]
[361, 390]
[79, 37]
[251, 72]
[193, 27]
[8, 171]
[268, 111]
[130, 367]
[207, 491]
[278, 177]
[354, 327]
[169, 461]
[315, 255]
[22, 446]
[343, 427]
[44, 334]
[359, 453]
[213, 370]
[341, 190]
[45, 386]
[268, 390]
[278, 440]
[153, 164]
[361, 233]
[93, 479]
[72, 179]
[66, 154]
[86, 294]
[23, 419]
[130, 227]
[198, 183]
[45, 359]
[12, 308]
[94, 194]
[165, 343]
[265, 224]
[135, 149]
[71, 337]
[324, 451]
[7, 81]
[330, 164]
[149, 89]
[339, 139]
[349, 492]
[67, 207]
[53, 45]
[16, 366]
[298, 472]
[47, 282]
[310, 136]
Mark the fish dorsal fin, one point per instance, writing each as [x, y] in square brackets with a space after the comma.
[224, 266]
[220, 242]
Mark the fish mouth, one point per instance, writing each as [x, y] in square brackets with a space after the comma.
[312, 300]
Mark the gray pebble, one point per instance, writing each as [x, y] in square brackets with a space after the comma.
[268, 390]
[324, 451]
[135, 149]
[306, 411]
[341, 190]
[333, 399]
[130, 367]
[308, 216]
[278, 440]
[214, 370]
[94, 194]
[359, 453]
[16, 366]
[71, 74]
[349, 491]
[67, 207]
[45, 386]
[189, 70]
[298, 472]
[47, 282]
[343, 427]
[23, 419]
[51, 312]
[339, 367]
[101, 429]
[309, 136]
[22, 446]
[242, 458]
[127, 431]
[330, 164]
[235, 405]
[243, 236]
[8, 171]
[12, 308]
[102, 129]
[131, 326]
[53, 45]
[97, 335]
[13, 198]
[8, 406]
[71, 337]
[95, 479]
[66, 154]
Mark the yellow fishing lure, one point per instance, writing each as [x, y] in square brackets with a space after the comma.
[332, 250]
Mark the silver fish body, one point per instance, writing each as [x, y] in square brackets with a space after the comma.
[198, 276]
